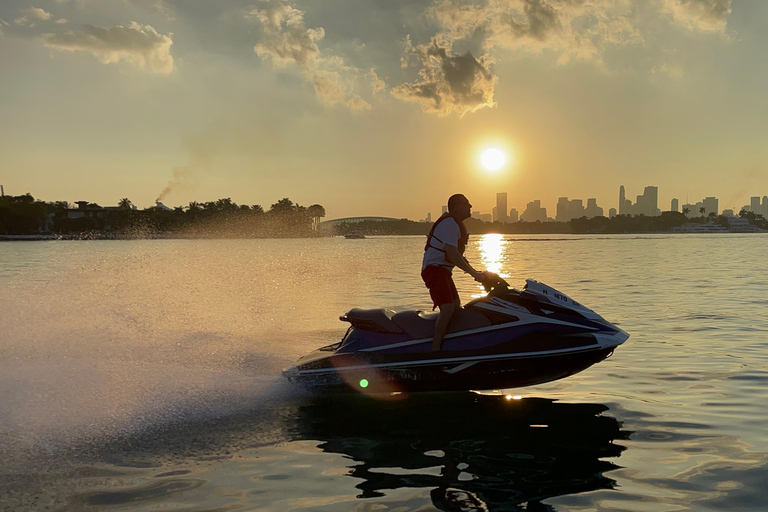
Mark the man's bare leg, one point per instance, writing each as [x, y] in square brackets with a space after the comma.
[441, 326]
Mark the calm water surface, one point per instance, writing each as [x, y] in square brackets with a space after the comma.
[145, 375]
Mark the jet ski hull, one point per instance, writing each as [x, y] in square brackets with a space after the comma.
[507, 339]
[440, 372]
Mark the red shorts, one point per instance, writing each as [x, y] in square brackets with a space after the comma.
[440, 284]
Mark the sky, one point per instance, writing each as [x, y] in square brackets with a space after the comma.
[383, 107]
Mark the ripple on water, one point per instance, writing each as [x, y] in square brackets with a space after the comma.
[141, 497]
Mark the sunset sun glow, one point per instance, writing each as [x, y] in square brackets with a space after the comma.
[493, 159]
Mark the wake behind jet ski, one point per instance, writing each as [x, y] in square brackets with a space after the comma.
[506, 339]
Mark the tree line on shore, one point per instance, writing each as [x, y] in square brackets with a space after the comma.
[223, 218]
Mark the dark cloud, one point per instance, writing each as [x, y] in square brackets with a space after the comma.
[571, 28]
[448, 83]
[541, 21]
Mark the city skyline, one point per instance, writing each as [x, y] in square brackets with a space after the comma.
[647, 204]
[565, 209]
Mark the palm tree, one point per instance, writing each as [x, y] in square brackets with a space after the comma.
[282, 207]
[316, 212]
[125, 204]
[702, 211]
[686, 211]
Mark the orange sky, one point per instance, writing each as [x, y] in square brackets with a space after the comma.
[383, 108]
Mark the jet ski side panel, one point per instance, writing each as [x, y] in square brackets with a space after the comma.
[346, 372]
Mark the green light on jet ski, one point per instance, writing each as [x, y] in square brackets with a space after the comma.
[363, 383]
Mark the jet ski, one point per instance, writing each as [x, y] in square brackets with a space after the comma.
[508, 338]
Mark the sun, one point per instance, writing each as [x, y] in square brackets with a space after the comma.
[493, 159]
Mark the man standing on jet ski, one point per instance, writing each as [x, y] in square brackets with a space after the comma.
[445, 247]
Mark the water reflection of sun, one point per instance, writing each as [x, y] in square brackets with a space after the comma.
[491, 247]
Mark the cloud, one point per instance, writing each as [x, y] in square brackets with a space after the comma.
[137, 44]
[460, 81]
[703, 15]
[573, 28]
[378, 85]
[447, 83]
[32, 16]
[157, 5]
[286, 41]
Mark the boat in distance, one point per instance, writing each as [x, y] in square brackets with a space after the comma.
[508, 338]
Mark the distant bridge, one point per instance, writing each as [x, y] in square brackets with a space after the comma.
[330, 224]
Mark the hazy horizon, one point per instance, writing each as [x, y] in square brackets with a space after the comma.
[374, 107]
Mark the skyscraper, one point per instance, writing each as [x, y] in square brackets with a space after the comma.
[675, 205]
[534, 212]
[622, 200]
[592, 209]
[647, 203]
[711, 205]
[501, 206]
[651, 200]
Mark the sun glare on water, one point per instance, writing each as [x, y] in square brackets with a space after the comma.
[493, 159]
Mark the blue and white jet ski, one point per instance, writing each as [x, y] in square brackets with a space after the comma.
[505, 339]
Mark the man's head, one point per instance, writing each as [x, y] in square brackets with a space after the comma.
[459, 206]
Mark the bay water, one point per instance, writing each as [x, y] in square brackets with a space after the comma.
[145, 375]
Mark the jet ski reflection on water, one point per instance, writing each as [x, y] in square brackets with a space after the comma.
[506, 339]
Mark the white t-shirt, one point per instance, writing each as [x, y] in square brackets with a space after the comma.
[446, 233]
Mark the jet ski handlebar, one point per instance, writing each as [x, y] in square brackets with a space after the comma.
[494, 283]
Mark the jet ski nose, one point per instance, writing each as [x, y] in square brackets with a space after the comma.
[291, 373]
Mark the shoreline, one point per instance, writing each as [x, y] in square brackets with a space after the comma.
[55, 238]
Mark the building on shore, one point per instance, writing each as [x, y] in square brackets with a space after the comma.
[568, 209]
[709, 205]
[647, 204]
[758, 206]
[534, 212]
[501, 207]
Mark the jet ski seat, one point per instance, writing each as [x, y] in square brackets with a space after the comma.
[420, 324]
[378, 320]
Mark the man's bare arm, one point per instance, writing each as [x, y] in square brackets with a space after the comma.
[455, 257]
